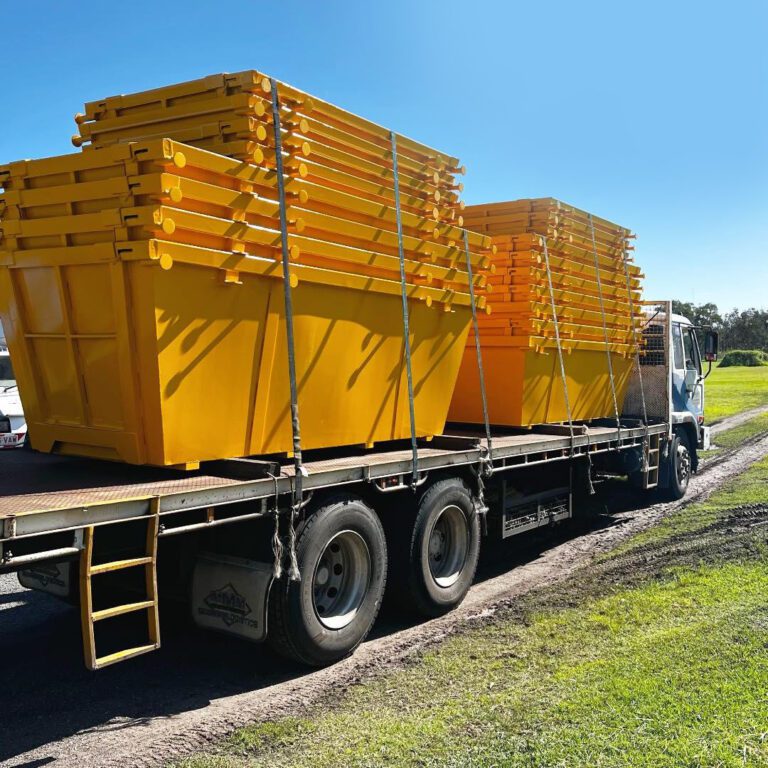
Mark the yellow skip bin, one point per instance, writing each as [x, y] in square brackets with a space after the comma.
[120, 358]
[560, 273]
[141, 293]
[524, 386]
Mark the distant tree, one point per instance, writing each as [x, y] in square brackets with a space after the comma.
[706, 315]
[745, 329]
[739, 329]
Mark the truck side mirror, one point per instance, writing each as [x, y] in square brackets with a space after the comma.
[711, 341]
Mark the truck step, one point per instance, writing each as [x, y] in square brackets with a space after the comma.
[89, 618]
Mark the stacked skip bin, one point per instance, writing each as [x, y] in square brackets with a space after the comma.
[589, 294]
[141, 279]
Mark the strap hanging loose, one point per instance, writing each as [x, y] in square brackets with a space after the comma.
[300, 472]
[406, 324]
[557, 340]
[478, 351]
[605, 327]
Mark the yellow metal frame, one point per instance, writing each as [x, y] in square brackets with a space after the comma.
[89, 618]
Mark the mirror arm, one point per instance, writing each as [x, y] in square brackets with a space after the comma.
[709, 370]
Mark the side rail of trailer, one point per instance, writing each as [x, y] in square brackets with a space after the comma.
[28, 521]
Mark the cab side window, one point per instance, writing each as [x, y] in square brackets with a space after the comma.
[677, 345]
[691, 348]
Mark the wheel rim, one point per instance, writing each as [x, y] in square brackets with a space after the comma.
[683, 465]
[341, 579]
[448, 546]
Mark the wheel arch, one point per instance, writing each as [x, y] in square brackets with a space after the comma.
[688, 429]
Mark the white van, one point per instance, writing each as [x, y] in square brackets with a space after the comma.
[13, 424]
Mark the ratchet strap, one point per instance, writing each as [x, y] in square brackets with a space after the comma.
[557, 339]
[646, 439]
[406, 324]
[479, 353]
[634, 332]
[300, 472]
[605, 327]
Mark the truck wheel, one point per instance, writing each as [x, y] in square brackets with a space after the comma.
[443, 549]
[342, 557]
[679, 467]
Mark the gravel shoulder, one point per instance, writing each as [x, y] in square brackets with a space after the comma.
[200, 687]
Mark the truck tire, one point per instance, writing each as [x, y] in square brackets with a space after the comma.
[678, 468]
[342, 558]
[442, 552]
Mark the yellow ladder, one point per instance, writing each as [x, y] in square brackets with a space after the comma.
[653, 457]
[89, 617]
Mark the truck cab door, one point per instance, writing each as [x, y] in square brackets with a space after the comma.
[687, 382]
[694, 373]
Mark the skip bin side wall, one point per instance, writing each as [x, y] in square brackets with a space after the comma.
[524, 387]
[127, 361]
[351, 373]
[70, 335]
[223, 371]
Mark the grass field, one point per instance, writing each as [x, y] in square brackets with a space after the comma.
[748, 488]
[669, 669]
[730, 438]
[732, 390]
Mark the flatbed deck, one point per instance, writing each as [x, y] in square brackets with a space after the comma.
[42, 494]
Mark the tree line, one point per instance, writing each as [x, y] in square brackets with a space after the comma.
[738, 329]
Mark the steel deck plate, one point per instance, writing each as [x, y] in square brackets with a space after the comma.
[33, 485]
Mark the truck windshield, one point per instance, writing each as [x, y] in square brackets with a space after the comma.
[6, 369]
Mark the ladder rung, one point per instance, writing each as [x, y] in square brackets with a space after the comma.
[118, 565]
[113, 658]
[118, 610]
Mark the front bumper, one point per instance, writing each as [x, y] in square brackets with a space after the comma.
[705, 439]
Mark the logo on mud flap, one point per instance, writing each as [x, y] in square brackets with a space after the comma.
[46, 574]
[228, 605]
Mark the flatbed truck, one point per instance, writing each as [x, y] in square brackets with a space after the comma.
[310, 579]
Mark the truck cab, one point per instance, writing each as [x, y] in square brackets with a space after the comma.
[669, 388]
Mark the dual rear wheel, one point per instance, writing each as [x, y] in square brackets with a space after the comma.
[342, 557]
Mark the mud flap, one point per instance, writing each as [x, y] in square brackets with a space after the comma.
[229, 594]
[54, 578]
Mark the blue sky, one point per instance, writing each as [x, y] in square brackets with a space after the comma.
[651, 114]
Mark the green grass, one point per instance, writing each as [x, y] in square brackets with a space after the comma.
[670, 672]
[732, 390]
[747, 488]
[731, 438]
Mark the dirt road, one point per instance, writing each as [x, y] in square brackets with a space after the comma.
[738, 419]
[200, 686]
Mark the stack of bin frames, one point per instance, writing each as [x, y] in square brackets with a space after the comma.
[585, 279]
[342, 188]
[141, 281]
